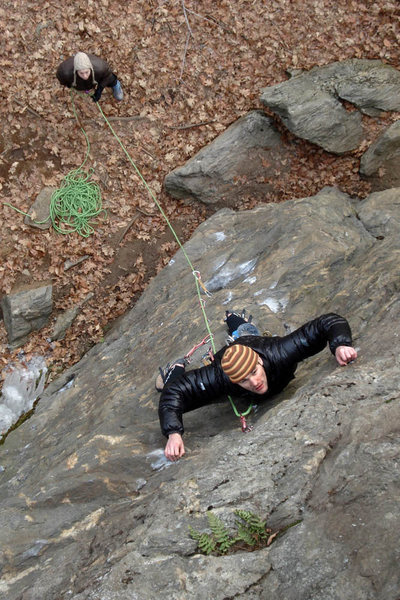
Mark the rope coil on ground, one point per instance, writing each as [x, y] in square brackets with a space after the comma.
[75, 204]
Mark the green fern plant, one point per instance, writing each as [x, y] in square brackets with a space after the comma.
[221, 534]
[219, 540]
[205, 542]
[251, 530]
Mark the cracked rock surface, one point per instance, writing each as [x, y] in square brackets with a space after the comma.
[87, 512]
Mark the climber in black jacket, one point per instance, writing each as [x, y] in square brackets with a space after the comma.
[253, 367]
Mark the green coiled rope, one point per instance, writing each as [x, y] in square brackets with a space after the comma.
[75, 204]
[78, 200]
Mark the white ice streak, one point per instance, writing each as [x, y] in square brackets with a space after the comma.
[250, 280]
[229, 273]
[22, 385]
[275, 305]
[158, 460]
[228, 298]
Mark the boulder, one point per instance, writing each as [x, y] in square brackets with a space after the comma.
[310, 106]
[89, 508]
[383, 153]
[39, 213]
[242, 162]
[65, 319]
[314, 115]
[26, 310]
[237, 163]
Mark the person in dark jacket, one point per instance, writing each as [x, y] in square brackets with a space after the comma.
[253, 367]
[86, 72]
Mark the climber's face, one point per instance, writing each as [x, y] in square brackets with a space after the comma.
[256, 381]
[84, 74]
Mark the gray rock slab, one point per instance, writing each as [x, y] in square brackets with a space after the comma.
[86, 514]
[63, 322]
[25, 311]
[383, 153]
[65, 319]
[370, 85]
[380, 213]
[314, 115]
[239, 162]
[39, 213]
[310, 106]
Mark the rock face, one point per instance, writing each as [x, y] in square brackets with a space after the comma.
[232, 165]
[310, 107]
[25, 311]
[87, 515]
[385, 152]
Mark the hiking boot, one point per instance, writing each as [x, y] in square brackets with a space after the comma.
[117, 91]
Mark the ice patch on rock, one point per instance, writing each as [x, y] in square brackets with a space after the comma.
[276, 304]
[250, 280]
[68, 385]
[228, 298]
[22, 386]
[229, 273]
[140, 483]
[272, 304]
[158, 460]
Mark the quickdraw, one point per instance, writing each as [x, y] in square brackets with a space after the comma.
[197, 275]
[193, 350]
[245, 428]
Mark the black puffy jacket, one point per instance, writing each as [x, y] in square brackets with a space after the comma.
[280, 356]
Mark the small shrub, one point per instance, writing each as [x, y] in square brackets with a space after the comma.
[252, 533]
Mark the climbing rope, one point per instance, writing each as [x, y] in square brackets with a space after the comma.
[75, 204]
[78, 201]
[197, 276]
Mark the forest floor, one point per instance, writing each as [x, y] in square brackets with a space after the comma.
[188, 70]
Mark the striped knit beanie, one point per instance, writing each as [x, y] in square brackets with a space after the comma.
[238, 362]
